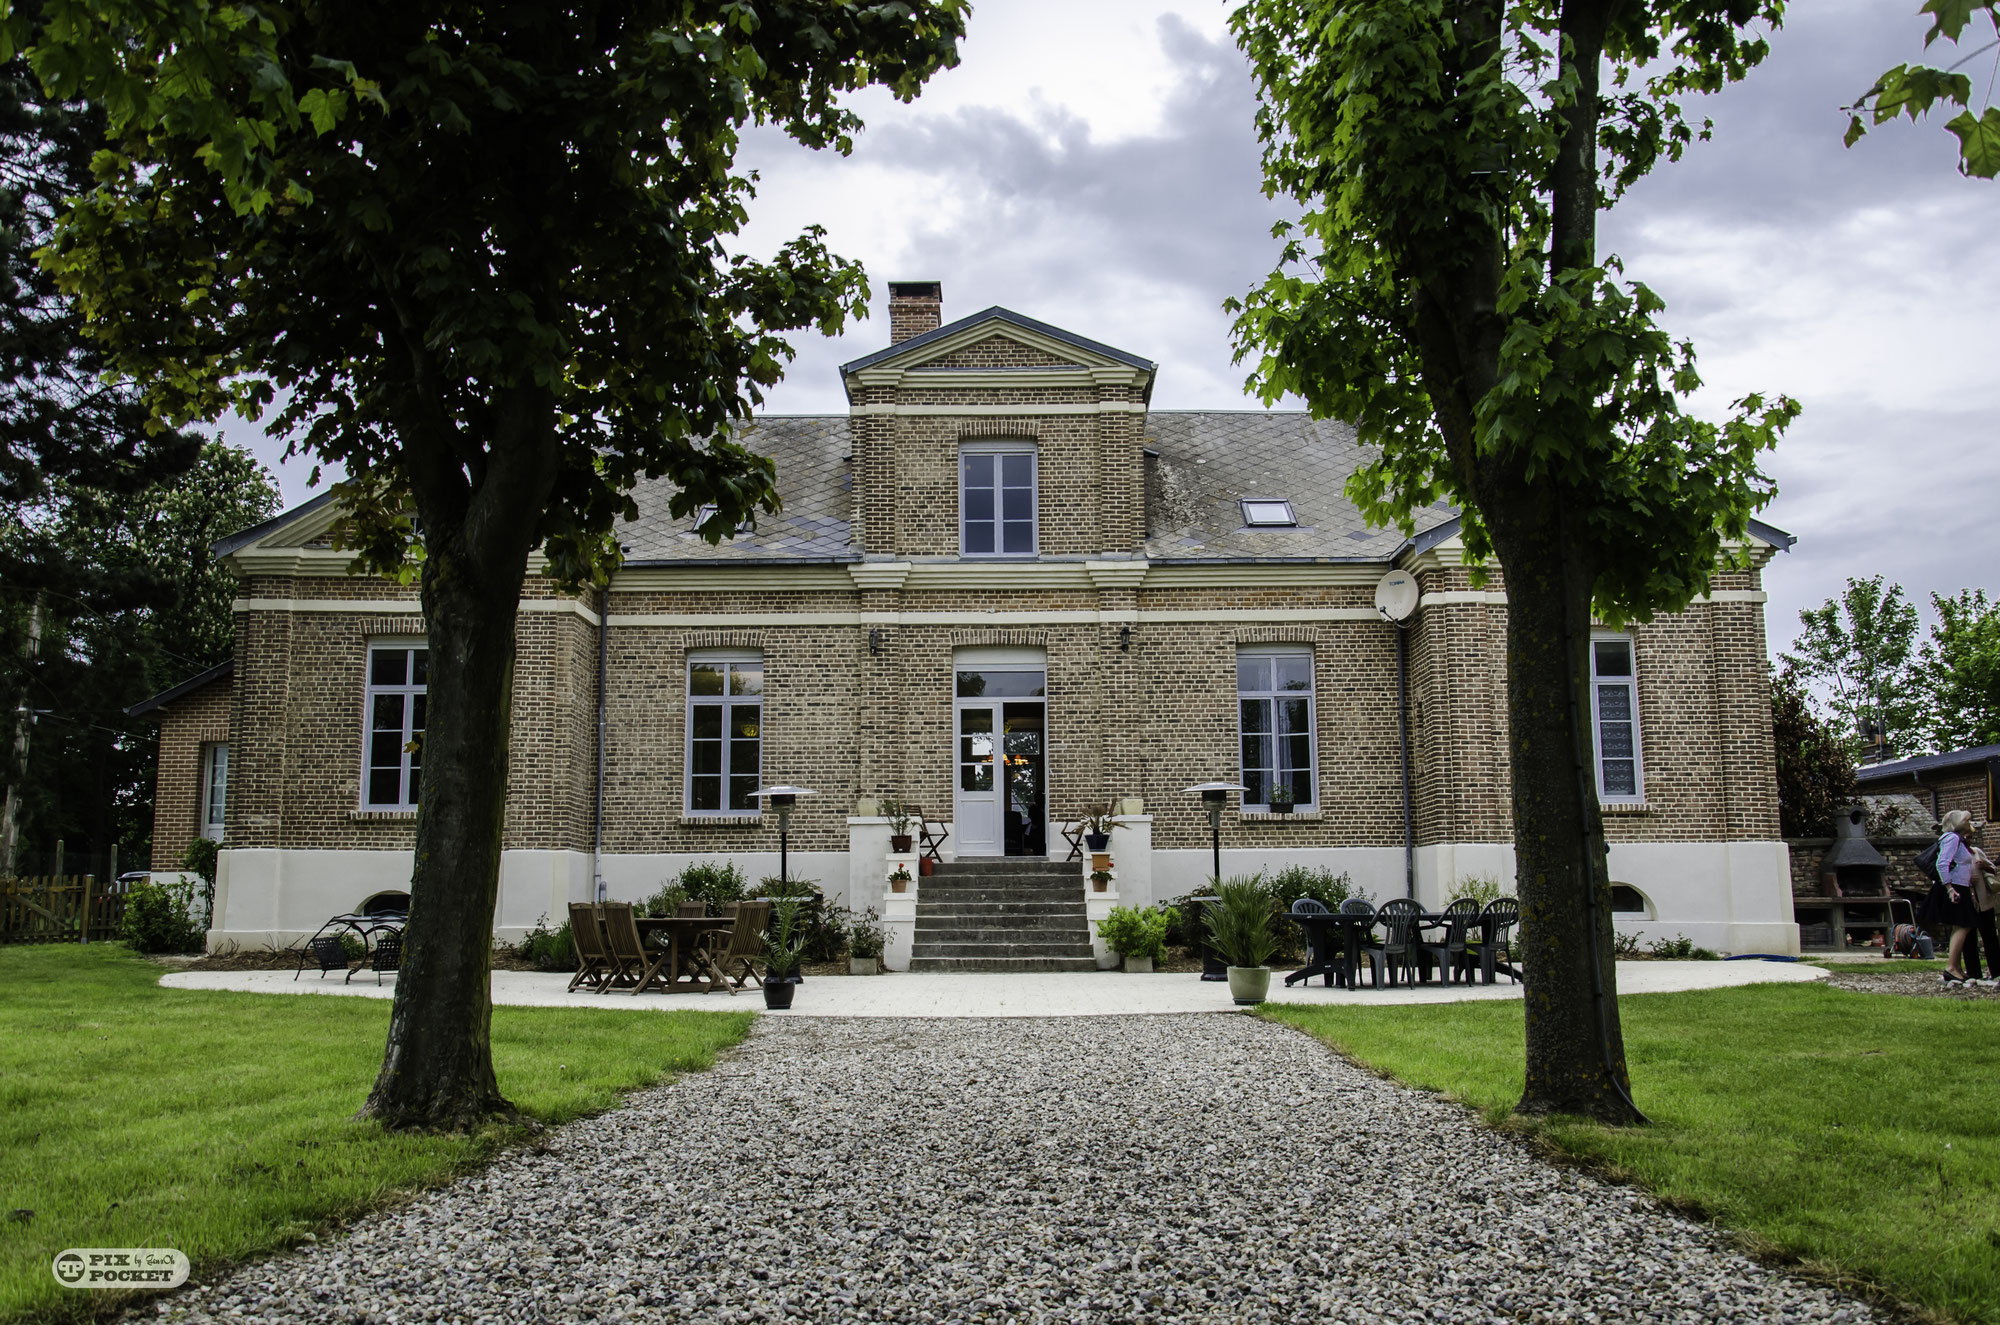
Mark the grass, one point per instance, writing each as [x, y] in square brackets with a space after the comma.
[1856, 1132]
[222, 1124]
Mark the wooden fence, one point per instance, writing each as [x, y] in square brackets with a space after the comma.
[55, 909]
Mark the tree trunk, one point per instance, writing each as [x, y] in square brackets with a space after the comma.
[1575, 1049]
[437, 1071]
[17, 751]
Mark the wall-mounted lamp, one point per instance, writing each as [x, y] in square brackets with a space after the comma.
[875, 639]
[1124, 639]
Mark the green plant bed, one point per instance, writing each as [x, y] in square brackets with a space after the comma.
[1856, 1132]
[222, 1124]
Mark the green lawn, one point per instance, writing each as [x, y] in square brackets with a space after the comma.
[1858, 1132]
[221, 1124]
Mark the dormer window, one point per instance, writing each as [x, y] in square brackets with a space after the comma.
[1266, 514]
[996, 499]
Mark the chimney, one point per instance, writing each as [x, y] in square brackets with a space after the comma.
[914, 308]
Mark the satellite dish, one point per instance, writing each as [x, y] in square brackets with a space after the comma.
[1396, 595]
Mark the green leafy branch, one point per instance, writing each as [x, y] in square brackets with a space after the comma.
[1915, 89]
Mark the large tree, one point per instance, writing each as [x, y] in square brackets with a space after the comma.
[90, 771]
[1815, 767]
[61, 423]
[1444, 292]
[1857, 652]
[487, 255]
[1958, 672]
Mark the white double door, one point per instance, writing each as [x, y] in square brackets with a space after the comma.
[998, 804]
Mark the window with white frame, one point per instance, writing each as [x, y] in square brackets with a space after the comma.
[214, 788]
[996, 499]
[1274, 702]
[1614, 691]
[725, 749]
[398, 681]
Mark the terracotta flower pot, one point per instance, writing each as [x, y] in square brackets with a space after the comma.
[926, 867]
[899, 885]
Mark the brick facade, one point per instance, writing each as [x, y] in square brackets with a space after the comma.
[858, 657]
[195, 720]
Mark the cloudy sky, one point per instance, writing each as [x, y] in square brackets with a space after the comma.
[1094, 166]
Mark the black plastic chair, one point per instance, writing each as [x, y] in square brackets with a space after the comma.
[387, 956]
[328, 951]
[1447, 949]
[1492, 947]
[1398, 918]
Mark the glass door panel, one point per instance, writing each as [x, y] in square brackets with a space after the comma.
[976, 798]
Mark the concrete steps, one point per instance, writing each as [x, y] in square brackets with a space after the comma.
[1002, 913]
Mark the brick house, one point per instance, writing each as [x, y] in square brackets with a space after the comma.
[1001, 587]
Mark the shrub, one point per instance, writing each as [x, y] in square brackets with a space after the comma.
[715, 884]
[1624, 944]
[1131, 931]
[666, 902]
[1240, 924]
[1678, 948]
[1481, 888]
[351, 944]
[773, 886]
[159, 917]
[1324, 886]
[200, 858]
[548, 949]
[864, 934]
[1705, 955]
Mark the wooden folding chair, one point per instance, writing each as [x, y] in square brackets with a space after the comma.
[728, 956]
[586, 932]
[1072, 833]
[931, 834]
[692, 910]
[626, 950]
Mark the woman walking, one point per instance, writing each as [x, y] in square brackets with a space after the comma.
[1950, 902]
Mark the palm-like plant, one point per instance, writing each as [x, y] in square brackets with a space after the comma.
[1239, 925]
[784, 940]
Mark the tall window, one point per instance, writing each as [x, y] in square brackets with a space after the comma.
[725, 733]
[996, 500]
[214, 788]
[398, 678]
[1274, 700]
[1615, 703]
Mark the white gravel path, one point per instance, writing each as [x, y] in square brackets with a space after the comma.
[1159, 1168]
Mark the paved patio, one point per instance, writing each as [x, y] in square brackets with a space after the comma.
[1088, 994]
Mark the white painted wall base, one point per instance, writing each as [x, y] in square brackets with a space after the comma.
[272, 897]
[1733, 897]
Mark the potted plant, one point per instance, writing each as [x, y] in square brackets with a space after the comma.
[900, 880]
[1281, 797]
[864, 944]
[1239, 928]
[1100, 880]
[783, 942]
[1097, 826]
[1138, 935]
[900, 816]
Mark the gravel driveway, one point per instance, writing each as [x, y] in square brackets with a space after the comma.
[1085, 1169]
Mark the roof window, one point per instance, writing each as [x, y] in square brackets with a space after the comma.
[703, 514]
[1269, 514]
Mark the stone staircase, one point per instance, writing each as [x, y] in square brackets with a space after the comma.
[1002, 913]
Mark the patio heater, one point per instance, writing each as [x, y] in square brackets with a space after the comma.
[782, 799]
[1214, 799]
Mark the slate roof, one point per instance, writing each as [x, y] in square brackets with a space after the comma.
[1978, 754]
[815, 482]
[1202, 463]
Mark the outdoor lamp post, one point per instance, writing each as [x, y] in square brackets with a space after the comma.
[782, 799]
[1214, 797]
